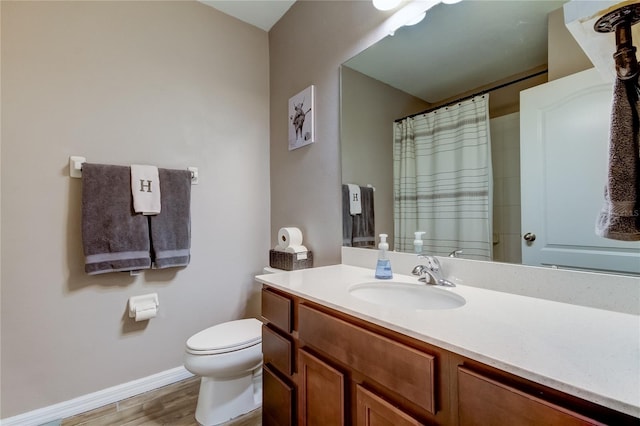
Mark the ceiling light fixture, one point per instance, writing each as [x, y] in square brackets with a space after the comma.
[409, 12]
[416, 20]
[385, 4]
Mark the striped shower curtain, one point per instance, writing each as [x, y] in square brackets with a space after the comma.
[443, 180]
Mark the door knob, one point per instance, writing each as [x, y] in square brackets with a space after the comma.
[529, 237]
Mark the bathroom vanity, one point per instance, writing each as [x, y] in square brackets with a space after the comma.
[331, 358]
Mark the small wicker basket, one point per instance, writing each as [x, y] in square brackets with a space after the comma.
[290, 261]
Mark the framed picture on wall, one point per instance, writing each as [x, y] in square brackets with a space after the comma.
[301, 119]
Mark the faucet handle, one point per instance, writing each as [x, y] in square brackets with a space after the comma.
[455, 253]
[418, 270]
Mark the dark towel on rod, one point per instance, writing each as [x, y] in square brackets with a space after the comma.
[114, 238]
[620, 215]
[347, 219]
[171, 229]
[364, 224]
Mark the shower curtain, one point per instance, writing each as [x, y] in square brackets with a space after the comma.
[443, 180]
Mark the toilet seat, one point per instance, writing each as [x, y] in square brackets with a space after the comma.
[226, 337]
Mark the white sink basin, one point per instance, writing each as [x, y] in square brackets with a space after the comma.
[407, 296]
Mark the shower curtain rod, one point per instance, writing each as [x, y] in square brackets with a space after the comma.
[464, 98]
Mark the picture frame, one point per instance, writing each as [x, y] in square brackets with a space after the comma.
[301, 119]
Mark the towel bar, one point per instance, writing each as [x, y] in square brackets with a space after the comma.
[75, 169]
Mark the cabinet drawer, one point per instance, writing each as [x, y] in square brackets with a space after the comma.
[401, 369]
[277, 350]
[375, 411]
[484, 401]
[277, 309]
[278, 397]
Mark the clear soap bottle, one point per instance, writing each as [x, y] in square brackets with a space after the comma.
[417, 242]
[383, 268]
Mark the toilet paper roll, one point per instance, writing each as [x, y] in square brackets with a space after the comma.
[289, 237]
[146, 313]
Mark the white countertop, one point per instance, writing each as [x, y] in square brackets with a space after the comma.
[591, 353]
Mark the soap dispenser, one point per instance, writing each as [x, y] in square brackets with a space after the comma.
[383, 268]
[417, 242]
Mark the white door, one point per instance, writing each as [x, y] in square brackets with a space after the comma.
[564, 131]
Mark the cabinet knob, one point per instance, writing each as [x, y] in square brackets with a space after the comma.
[529, 237]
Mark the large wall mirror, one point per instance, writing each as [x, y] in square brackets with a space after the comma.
[458, 50]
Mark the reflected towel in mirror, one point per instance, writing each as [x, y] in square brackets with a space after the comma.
[620, 215]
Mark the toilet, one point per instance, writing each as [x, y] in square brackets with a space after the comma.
[228, 357]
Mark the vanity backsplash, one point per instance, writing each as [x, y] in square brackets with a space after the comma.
[617, 293]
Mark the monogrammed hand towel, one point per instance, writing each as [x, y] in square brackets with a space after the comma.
[145, 189]
[355, 202]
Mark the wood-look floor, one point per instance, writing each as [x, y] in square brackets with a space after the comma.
[172, 405]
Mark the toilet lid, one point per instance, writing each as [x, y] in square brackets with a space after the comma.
[229, 336]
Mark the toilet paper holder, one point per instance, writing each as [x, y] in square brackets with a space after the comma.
[144, 303]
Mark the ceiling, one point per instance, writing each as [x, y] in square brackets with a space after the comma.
[259, 13]
[455, 49]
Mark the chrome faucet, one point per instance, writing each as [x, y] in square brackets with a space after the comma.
[431, 273]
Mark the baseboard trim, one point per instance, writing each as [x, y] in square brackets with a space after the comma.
[97, 399]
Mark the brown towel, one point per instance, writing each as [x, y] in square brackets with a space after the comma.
[114, 238]
[620, 215]
[171, 229]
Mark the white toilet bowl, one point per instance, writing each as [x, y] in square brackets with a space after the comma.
[228, 357]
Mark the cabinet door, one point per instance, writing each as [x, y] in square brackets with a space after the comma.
[321, 392]
[277, 400]
[375, 411]
[483, 401]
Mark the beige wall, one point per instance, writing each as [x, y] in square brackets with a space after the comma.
[565, 56]
[174, 84]
[307, 47]
[367, 156]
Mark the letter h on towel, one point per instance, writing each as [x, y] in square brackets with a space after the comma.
[145, 189]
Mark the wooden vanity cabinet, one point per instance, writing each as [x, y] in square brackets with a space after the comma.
[325, 368]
